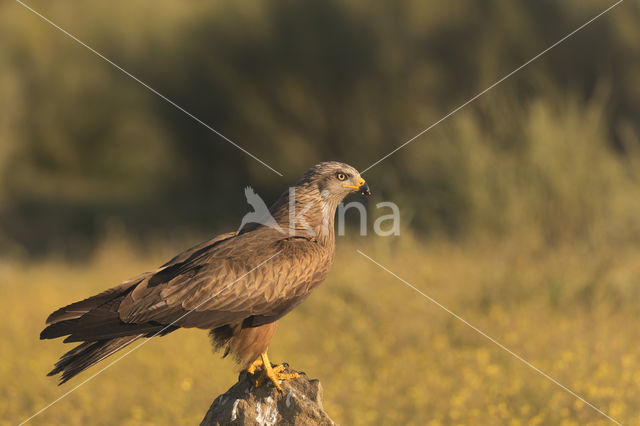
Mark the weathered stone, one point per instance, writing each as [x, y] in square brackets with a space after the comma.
[299, 403]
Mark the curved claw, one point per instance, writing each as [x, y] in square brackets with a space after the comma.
[272, 373]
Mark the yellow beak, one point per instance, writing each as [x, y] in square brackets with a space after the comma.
[356, 187]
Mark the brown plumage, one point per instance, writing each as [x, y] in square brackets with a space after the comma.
[237, 284]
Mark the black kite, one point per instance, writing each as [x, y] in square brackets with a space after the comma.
[237, 285]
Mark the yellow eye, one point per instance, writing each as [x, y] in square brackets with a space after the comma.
[341, 176]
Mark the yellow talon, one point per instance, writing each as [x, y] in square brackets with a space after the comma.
[272, 373]
[254, 365]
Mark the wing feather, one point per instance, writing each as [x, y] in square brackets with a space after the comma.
[225, 282]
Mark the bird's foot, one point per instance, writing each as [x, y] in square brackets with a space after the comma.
[251, 369]
[269, 372]
[275, 374]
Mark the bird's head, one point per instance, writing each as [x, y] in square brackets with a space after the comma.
[309, 207]
[335, 180]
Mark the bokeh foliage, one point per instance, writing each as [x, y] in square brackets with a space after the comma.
[520, 212]
[296, 83]
[384, 354]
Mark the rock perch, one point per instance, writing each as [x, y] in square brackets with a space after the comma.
[299, 403]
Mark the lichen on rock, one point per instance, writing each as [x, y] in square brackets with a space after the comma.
[299, 403]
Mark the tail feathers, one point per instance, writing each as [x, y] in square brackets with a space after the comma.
[59, 329]
[98, 325]
[78, 309]
[95, 322]
[85, 355]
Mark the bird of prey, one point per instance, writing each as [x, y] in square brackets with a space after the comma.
[237, 285]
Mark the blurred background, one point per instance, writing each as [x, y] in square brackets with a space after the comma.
[520, 212]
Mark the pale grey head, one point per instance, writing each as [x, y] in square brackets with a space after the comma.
[334, 180]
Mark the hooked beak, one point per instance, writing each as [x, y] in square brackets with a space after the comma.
[362, 187]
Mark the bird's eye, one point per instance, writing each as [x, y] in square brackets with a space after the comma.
[341, 176]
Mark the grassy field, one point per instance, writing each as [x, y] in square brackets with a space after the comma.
[383, 353]
[519, 213]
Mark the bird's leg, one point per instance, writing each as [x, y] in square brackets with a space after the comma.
[251, 369]
[273, 373]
